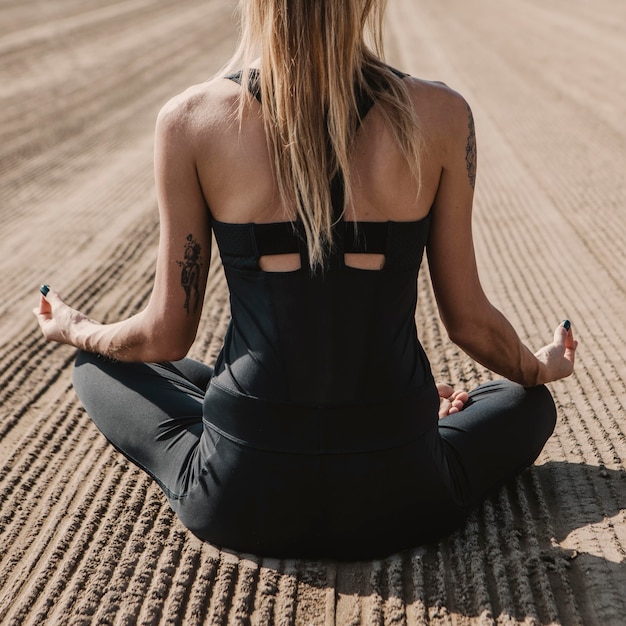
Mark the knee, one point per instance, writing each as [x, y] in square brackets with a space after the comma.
[536, 405]
[542, 405]
[87, 383]
[531, 404]
[92, 376]
[83, 357]
[83, 369]
[80, 368]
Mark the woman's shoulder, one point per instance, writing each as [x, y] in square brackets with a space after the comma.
[442, 110]
[435, 95]
[200, 108]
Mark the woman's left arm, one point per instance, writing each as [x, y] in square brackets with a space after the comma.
[166, 328]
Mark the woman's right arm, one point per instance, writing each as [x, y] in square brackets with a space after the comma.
[165, 329]
[471, 321]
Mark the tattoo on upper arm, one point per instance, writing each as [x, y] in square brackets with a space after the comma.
[190, 274]
[470, 149]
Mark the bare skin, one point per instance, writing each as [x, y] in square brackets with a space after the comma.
[451, 400]
[201, 158]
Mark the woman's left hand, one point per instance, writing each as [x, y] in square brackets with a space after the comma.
[450, 400]
[57, 319]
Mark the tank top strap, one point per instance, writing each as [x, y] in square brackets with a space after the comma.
[253, 81]
[364, 101]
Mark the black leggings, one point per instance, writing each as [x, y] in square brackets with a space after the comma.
[283, 481]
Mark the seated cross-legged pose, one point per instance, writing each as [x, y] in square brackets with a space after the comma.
[324, 175]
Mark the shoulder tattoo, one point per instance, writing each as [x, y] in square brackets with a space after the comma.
[470, 149]
[190, 274]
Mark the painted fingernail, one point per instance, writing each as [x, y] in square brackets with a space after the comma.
[567, 324]
[44, 290]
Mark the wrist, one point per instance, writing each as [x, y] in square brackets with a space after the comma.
[534, 370]
[541, 375]
[82, 332]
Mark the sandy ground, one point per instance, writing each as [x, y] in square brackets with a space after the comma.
[85, 538]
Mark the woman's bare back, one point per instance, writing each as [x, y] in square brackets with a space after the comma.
[235, 170]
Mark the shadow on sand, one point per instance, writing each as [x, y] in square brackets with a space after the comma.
[511, 543]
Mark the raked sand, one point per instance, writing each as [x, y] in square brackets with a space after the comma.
[87, 539]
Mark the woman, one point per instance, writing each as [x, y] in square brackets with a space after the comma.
[323, 174]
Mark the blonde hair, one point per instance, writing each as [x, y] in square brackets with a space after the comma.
[316, 56]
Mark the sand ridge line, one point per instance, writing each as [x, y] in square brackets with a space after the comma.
[65, 26]
[39, 360]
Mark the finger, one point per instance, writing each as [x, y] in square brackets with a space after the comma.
[44, 305]
[570, 342]
[461, 396]
[444, 408]
[570, 351]
[444, 391]
[44, 302]
[50, 295]
[51, 299]
[561, 332]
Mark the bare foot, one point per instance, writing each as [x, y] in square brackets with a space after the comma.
[450, 400]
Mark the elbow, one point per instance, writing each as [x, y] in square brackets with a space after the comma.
[470, 327]
[176, 353]
[162, 348]
[159, 338]
[456, 336]
[462, 333]
[474, 338]
[164, 344]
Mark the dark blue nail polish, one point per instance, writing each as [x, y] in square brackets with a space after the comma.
[567, 324]
[44, 290]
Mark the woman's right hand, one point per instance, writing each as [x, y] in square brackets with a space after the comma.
[557, 358]
[56, 319]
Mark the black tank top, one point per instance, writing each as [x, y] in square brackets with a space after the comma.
[344, 336]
